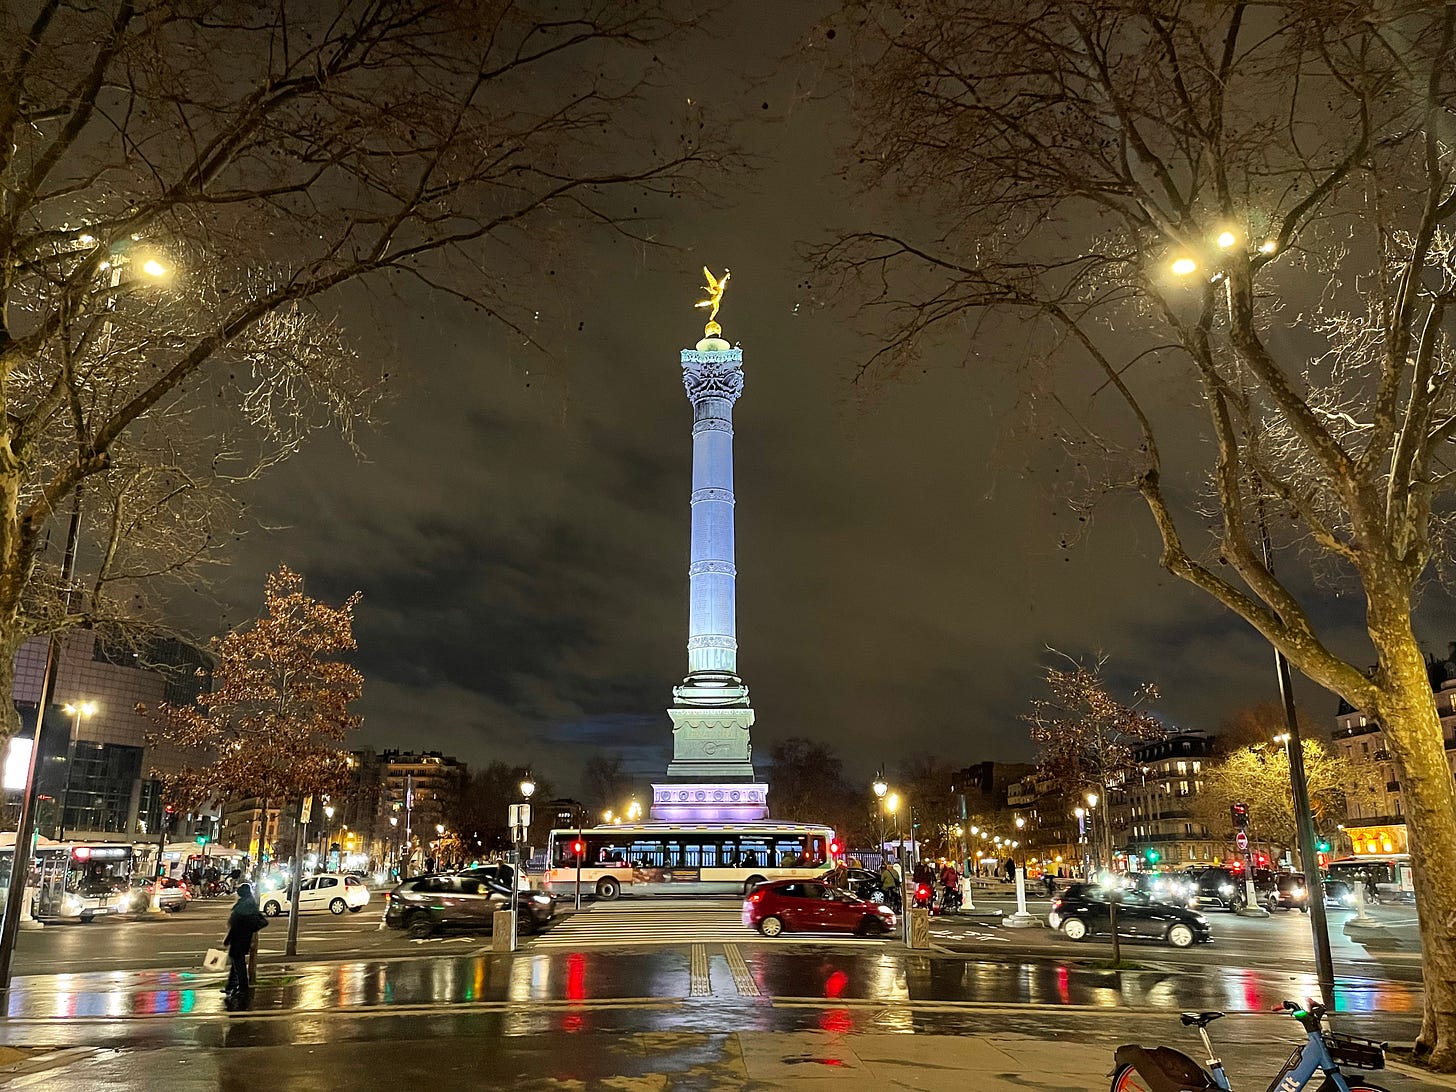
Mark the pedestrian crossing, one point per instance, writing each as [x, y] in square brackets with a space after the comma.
[665, 921]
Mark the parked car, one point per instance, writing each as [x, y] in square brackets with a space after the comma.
[172, 896]
[1287, 891]
[1084, 910]
[429, 904]
[329, 891]
[811, 907]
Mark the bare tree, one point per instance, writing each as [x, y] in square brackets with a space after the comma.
[196, 194]
[1086, 739]
[274, 723]
[1226, 234]
[604, 780]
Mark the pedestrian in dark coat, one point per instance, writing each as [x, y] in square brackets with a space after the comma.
[243, 924]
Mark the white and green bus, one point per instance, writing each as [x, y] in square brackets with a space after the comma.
[685, 858]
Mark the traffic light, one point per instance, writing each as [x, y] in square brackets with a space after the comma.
[578, 847]
[202, 839]
[1323, 845]
[1239, 812]
[835, 848]
[1151, 855]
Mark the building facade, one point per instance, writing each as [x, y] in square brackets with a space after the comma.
[1375, 821]
[95, 773]
[1152, 812]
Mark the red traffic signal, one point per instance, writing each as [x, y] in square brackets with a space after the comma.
[835, 848]
[1239, 813]
[578, 848]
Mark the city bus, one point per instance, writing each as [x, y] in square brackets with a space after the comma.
[82, 880]
[685, 858]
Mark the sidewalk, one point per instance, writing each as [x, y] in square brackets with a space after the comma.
[1017, 1056]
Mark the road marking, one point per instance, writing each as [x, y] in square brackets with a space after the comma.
[699, 985]
[742, 976]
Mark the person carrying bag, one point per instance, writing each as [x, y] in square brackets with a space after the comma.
[243, 925]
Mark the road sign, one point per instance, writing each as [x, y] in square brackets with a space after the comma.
[519, 815]
[1242, 838]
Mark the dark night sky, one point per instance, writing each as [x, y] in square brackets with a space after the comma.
[519, 525]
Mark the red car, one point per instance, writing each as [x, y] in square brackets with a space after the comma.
[805, 906]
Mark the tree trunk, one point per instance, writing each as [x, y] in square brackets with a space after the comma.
[1407, 713]
[295, 878]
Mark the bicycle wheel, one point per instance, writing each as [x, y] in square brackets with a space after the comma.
[1356, 1085]
[1128, 1079]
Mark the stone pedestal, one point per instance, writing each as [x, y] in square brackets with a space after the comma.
[710, 802]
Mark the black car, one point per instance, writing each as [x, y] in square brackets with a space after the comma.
[430, 904]
[1170, 887]
[1221, 887]
[864, 884]
[1084, 910]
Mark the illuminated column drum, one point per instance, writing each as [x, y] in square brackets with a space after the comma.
[711, 773]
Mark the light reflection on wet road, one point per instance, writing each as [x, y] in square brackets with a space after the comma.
[832, 988]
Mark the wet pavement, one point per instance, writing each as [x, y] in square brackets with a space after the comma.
[736, 1012]
[117, 1008]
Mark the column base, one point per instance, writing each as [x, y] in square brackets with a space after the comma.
[1021, 921]
[710, 801]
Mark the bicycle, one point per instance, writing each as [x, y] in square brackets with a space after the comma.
[1164, 1069]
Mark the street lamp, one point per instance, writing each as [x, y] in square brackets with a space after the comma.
[528, 787]
[879, 787]
[76, 711]
[634, 811]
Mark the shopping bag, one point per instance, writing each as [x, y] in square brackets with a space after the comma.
[216, 959]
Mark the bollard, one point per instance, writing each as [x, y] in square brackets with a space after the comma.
[502, 932]
[920, 928]
[1021, 919]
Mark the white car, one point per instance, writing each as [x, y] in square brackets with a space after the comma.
[329, 891]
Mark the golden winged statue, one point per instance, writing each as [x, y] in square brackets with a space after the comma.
[715, 289]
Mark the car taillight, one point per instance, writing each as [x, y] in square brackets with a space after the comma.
[1056, 904]
[757, 896]
[922, 892]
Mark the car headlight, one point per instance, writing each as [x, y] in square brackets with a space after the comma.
[71, 904]
[1299, 894]
[885, 910]
[1226, 889]
[541, 900]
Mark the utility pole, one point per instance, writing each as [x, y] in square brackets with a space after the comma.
[1314, 885]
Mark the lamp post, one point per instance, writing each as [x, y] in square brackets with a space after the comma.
[75, 711]
[892, 804]
[634, 811]
[1021, 919]
[879, 788]
[323, 861]
[439, 846]
[528, 790]
[394, 839]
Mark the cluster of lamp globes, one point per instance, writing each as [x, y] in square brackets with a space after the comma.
[891, 803]
[1185, 265]
[632, 814]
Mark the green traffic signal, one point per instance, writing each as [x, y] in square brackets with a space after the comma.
[1323, 845]
[1152, 855]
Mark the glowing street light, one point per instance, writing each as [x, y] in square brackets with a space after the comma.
[153, 268]
[880, 786]
[1226, 239]
[1268, 246]
[634, 811]
[1184, 266]
[528, 786]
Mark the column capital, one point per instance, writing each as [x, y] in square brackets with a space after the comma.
[712, 374]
